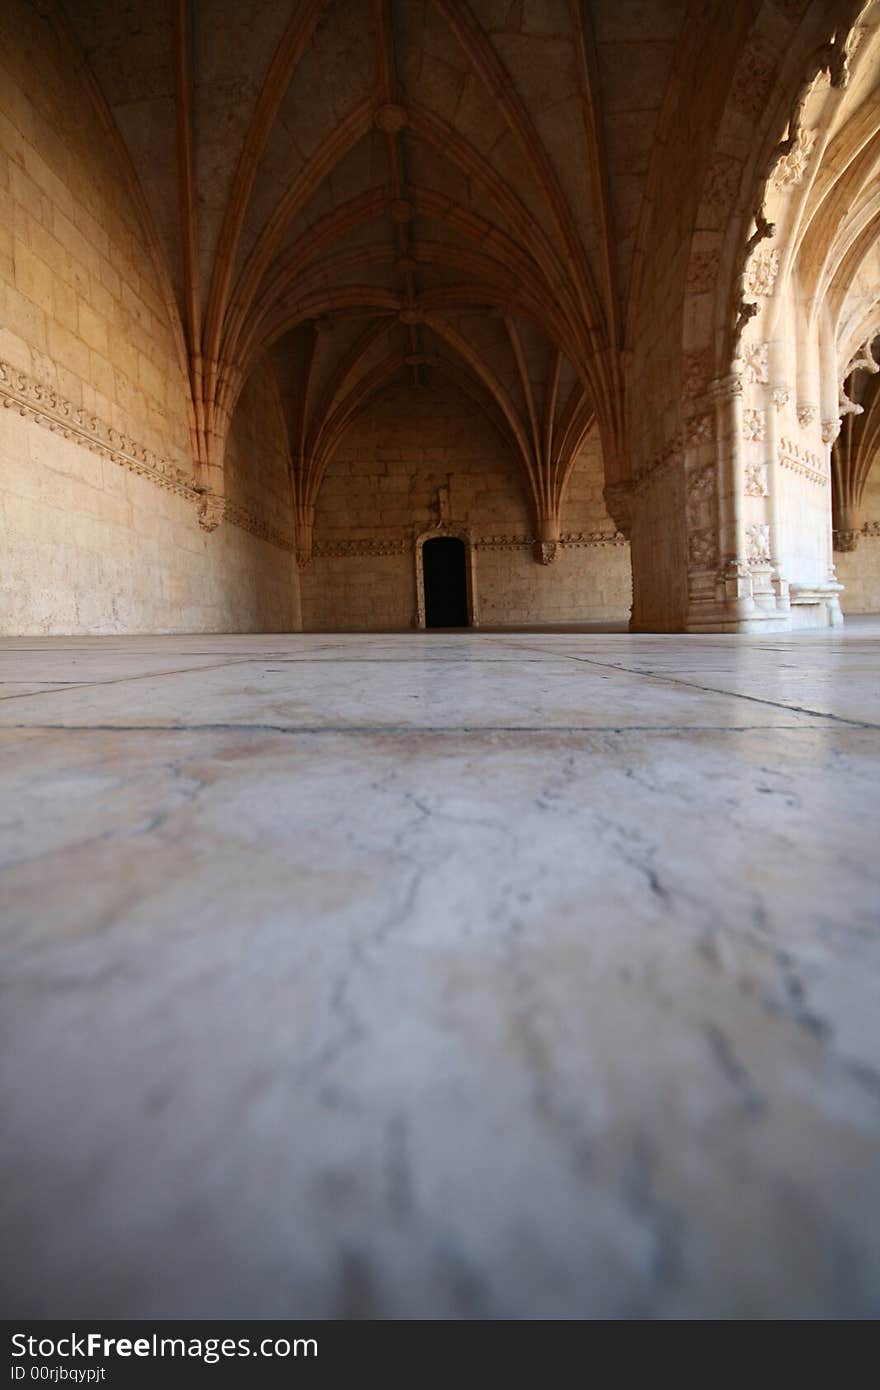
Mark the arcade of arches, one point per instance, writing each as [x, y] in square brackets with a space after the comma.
[594, 286]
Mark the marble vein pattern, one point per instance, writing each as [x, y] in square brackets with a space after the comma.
[440, 975]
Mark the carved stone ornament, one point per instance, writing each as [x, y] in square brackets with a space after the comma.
[790, 170]
[806, 413]
[755, 366]
[722, 183]
[544, 552]
[753, 79]
[212, 510]
[700, 429]
[703, 271]
[756, 480]
[762, 271]
[780, 396]
[758, 543]
[392, 118]
[696, 371]
[846, 540]
[801, 461]
[830, 430]
[754, 426]
[702, 548]
[701, 491]
[848, 407]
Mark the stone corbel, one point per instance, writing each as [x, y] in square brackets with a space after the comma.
[847, 527]
[212, 508]
[305, 534]
[830, 430]
[545, 547]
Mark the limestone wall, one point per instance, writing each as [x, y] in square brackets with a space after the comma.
[859, 569]
[379, 494]
[92, 373]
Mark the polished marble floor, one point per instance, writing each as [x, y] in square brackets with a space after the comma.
[498, 975]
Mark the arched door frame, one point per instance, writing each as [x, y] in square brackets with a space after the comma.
[460, 533]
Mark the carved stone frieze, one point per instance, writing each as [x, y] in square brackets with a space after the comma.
[581, 539]
[756, 479]
[754, 425]
[761, 271]
[41, 403]
[758, 543]
[802, 461]
[357, 548]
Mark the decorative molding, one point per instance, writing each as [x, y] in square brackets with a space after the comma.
[756, 480]
[335, 550]
[802, 462]
[35, 401]
[806, 413]
[504, 542]
[249, 521]
[780, 396]
[754, 425]
[580, 539]
[38, 402]
[348, 549]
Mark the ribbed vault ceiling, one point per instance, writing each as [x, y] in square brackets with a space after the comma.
[377, 188]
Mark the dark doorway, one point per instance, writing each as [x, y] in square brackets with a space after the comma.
[443, 565]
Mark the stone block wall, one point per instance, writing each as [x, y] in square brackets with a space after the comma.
[859, 569]
[381, 491]
[100, 519]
